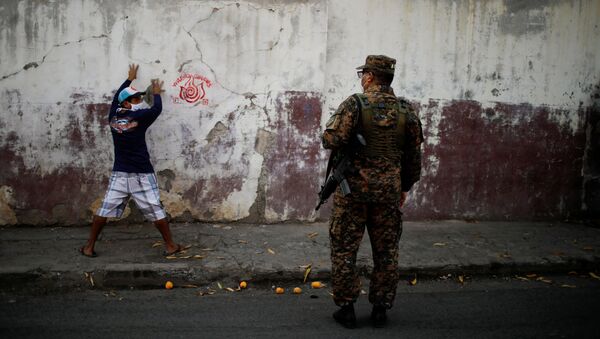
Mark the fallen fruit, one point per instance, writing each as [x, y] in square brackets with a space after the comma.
[243, 284]
[316, 284]
[279, 290]
[297, 290]
[168, 285]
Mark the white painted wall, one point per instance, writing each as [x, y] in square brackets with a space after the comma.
[536, 52]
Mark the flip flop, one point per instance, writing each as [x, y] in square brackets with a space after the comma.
[93, 255]
[178, 250]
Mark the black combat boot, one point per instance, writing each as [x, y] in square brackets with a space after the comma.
[378, 316]
[345, 316]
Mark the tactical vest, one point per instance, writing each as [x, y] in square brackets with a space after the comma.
[382, 124]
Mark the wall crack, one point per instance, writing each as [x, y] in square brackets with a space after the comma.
[36, 64]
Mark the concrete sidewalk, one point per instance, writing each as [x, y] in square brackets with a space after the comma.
[47, 258]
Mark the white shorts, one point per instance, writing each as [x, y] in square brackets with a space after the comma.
[142, 187]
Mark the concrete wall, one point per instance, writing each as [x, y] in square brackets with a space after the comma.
[503, 89]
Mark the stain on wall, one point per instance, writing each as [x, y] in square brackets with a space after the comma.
[591, 168]
[499, 162]
[295, 159]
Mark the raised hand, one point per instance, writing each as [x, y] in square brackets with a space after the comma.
[157, 86]
[133, 68]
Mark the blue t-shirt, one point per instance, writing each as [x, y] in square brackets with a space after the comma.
[128, 130]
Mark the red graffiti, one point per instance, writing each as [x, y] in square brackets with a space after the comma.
[192, 90]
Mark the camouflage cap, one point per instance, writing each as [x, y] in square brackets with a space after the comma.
[379, 63]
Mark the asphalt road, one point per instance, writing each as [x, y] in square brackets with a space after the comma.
[560, 307]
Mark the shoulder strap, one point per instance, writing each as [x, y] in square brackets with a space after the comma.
[333, 155]
[403, 110]
[361, 100]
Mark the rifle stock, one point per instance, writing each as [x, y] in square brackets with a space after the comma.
[341, 165]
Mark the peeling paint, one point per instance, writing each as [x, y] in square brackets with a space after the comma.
[7, 214]
[505, 167]
[505, 90]
[295, 161]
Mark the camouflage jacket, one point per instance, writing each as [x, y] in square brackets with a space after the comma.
[376, 179]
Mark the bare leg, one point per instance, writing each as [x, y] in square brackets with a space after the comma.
[97, 226]
[165, 231]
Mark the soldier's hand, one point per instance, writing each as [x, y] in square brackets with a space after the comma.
[133, 68]
[157, 86]
[403, 197]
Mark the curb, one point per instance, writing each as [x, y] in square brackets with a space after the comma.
[153, 276]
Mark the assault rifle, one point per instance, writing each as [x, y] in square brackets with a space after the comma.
[340, 161]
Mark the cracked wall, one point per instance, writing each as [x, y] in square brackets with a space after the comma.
[503, 89]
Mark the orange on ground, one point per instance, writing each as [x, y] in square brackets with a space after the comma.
[279, 290]
[168, 285]
[316, 284]
[243, 284]
[297, 290]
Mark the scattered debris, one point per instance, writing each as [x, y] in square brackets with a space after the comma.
[207, 292]
[542, 279]
[444, 277]
[505, 255]
[307, 272]
[112, 293]
[89, 278]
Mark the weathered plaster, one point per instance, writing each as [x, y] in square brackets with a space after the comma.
[7, 214]
[493, 81]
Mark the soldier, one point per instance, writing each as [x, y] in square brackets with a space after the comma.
[382, 173]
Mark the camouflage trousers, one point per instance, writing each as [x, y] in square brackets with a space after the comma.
[384, 224]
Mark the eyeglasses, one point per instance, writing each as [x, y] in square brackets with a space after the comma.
[361, 73]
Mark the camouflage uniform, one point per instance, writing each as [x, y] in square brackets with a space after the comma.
[376, 184]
